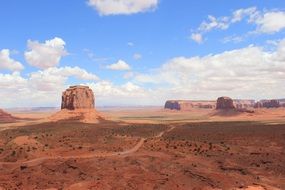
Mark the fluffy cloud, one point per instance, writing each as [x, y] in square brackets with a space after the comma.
[240, 14]
[214, 23]
[40, 88]
[15, 78]
[53, 78]
[197, 37]
[109, 94]
[6, 62]
[249, 72]
[265, 22]
[124, 7]
[119, 66]
[271, 22]
[45, 55]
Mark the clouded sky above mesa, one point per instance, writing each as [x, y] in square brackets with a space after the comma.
[141, 52]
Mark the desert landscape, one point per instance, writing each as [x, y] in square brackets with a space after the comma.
[219, 147]
[142, 95]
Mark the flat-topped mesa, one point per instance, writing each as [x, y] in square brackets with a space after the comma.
[185, 105]
[78, 97]
[244, 103]
[274, 103]
[225, 103]
[177, 105]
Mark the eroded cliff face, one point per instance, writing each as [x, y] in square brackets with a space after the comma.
[274, 103]
[78, 104]
[225, 103]
[78, 97]
[188, 104]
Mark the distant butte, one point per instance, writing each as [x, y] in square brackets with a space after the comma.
[78, 103]
[225, 103]
[185, 105]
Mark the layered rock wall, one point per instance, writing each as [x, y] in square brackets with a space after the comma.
[274, 103]
[188, 104]
[78, 97]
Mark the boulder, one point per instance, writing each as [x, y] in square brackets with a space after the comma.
[78, 97]
[225, 103]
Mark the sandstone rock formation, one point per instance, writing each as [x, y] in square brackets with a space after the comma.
[268, 104]
[225, 103]
[258, 105]
[6, 117]
[243, 103]
[271, 104]
[78, 103]
[177, 105]
[78, 97]
[185, 105]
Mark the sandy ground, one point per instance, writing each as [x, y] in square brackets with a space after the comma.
[146, 149]
[160, 115]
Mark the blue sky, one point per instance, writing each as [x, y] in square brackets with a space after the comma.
[135, 52]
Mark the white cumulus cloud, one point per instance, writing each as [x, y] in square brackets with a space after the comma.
[39, 88]
[271, 22]
[119, 66]
[265, 22]
[124, 7]
[109, 94]
[250, 72]
[47, 54]
[7, 63]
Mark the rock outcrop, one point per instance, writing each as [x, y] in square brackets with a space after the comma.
[244, 103]
[184, 105]
[268, 104]
[6, 117]
[78, 97]
[78, 103]
[258, 105]
[177, 105]
[225, 103]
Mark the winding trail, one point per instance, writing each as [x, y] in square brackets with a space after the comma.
[38, 161]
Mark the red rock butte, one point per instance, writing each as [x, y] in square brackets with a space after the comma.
[78, 97]
[78, 103]
[186, 105]
[225, 103]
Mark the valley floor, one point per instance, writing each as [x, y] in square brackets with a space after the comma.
[119, 155]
